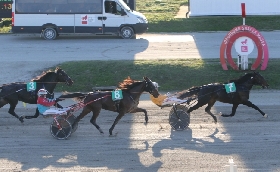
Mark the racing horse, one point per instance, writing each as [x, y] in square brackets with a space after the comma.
[131, 91]
[13, 92]
[209, 94]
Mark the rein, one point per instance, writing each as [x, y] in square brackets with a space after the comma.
[81, 104]
[132, 99]
[49, 82]
[97, 99]
[146, 86]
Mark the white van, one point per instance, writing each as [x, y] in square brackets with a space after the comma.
[54, 17]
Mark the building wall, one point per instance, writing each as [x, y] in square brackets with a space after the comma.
[233, 7]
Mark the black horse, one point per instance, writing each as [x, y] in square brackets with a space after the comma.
[14, 92]
[209, 94]
[131, 92]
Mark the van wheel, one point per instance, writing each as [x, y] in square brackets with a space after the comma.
[49, 33]
[127, 33]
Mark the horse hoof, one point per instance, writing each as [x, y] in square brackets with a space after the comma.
[21, 119]
[265, 116]
[101, 131]
[111, 135]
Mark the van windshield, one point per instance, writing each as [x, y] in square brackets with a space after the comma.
[123, 4]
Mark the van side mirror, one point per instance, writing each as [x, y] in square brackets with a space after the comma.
[123, 13]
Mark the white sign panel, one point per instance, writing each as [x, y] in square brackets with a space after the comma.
[244, 46]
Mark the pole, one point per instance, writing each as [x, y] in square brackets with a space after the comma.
[244, 59]
[243, 12]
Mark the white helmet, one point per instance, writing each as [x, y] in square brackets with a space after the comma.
[156, 84]
[42, 92]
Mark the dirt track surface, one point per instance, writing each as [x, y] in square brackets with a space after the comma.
[249, 139]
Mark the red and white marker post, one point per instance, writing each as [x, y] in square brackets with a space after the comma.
[242, 48]
[244, 37]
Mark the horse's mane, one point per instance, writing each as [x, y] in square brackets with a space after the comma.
[128, 83]
[242, 79]
[43, 76]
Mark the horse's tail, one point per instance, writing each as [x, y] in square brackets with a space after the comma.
[192, 92]
[77, 96]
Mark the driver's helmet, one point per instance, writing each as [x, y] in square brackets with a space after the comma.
[42, 92]
[156, 84]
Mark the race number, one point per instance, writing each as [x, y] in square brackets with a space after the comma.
[117, 95]
[230, 88]
[31, 86]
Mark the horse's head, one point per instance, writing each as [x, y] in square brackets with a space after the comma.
[258, 79]
[150, 87]
[63, 77]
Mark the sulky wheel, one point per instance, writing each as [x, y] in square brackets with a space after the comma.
[61, 128]
[179, 119]
[71, 118]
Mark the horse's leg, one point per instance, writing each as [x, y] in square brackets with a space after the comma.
[115, 122]
[12, 108]
[82, 115]
[34, 116]
[208, 108]
[95, 114]
[194, 108]
[250, 104]
[141, 110]
[3, 102]
[12, 111]
[233, 110]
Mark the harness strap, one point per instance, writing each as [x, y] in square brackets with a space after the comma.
[20, 90]
[81, 104]
[132, 99]
[13, 92]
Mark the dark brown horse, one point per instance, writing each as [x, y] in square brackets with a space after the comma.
[209, 94]
[131, 92]
[14, 92]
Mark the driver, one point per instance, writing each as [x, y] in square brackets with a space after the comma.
[167, 99]
[44, 104]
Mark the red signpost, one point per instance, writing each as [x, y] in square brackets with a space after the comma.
[243, 10]
[244, 36]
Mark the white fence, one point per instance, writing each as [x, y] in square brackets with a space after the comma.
[233, 7]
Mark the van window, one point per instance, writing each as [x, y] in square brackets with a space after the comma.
[58, 6]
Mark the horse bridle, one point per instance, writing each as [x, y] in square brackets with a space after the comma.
[65, 76]
[150, 90]
[251, 81]
[259, 83]
[68, 79]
